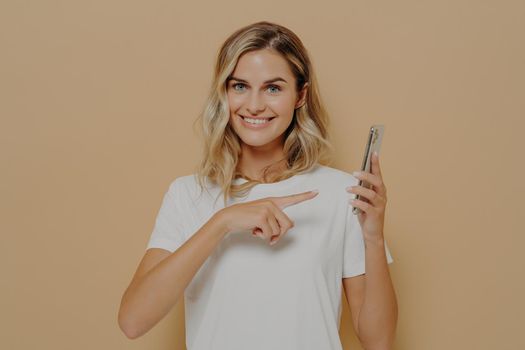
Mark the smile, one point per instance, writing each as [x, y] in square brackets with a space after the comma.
[256, 123]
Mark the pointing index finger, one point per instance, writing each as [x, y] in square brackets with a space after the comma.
[286, 201]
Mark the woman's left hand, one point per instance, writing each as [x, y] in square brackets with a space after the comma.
[372, 202]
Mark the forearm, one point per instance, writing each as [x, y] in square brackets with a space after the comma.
[151, 297]
[378, 314]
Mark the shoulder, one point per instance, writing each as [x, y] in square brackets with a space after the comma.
[332, 182]
[180, 185]
[188, 187]
[177, 183]
[334, 175]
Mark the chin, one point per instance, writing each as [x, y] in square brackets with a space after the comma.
[257, 142]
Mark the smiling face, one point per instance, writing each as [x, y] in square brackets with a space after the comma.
[263, 87]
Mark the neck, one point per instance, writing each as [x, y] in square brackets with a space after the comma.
[254, 160]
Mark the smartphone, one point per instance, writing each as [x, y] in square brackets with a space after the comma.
[375, 136]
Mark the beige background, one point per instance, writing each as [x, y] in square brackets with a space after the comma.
[97, 104]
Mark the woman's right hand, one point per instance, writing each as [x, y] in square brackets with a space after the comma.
[264, 217]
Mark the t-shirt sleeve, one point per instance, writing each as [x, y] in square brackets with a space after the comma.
[354, 247]
[168, 232]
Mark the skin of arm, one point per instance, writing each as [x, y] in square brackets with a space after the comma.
[163, 276]
[372, 300]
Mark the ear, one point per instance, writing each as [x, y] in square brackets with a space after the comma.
[301, 99]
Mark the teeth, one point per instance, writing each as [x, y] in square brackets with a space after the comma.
[256, 121]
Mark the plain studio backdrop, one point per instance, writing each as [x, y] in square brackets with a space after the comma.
[97, 104]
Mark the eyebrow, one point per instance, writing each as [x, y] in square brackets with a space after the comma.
[266, 82]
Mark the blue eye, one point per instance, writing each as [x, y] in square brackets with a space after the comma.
[236, 84]
[276, 87]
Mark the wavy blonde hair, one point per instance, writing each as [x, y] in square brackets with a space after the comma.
[306, 139]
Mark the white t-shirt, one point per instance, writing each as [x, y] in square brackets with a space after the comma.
[251, 295]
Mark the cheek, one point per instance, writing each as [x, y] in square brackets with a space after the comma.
[282, 105]
[235, 102]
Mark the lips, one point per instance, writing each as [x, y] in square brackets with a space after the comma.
[269, 118]
[256, 125]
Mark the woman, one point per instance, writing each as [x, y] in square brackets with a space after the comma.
[265, 132]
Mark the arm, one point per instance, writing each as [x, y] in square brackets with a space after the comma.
[372, 300]
[162, 278]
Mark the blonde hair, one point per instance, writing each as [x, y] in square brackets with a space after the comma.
[306, 139]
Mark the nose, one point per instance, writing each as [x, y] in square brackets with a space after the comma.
[255, 104]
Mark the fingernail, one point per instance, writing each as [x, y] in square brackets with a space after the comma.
[356, 173]
[315, 191]
[273, 242]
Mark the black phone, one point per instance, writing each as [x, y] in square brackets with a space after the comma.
[375, 136]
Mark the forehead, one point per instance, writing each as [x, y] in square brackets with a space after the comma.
[260, 65]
